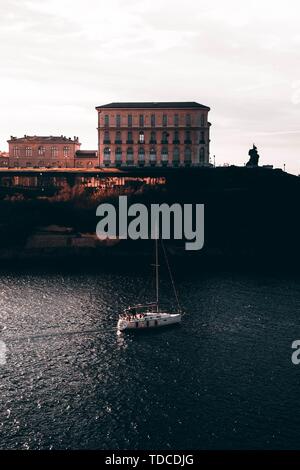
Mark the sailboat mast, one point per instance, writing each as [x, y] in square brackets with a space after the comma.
[156, 273]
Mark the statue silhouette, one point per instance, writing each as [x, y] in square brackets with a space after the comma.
[253, 160]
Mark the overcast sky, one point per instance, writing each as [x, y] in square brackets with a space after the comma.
[61, 58]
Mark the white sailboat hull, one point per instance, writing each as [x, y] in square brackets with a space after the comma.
[148, 320]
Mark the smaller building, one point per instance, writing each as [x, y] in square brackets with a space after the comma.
[4, 159]
[86, 159]
[43, 151]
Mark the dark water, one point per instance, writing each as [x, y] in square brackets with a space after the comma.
[224, 379]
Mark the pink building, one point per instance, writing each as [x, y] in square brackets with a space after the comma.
[153, 134]
[43, 151]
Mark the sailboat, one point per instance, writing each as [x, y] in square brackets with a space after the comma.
[146, 316]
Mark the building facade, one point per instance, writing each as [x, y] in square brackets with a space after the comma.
[43, 151]
[4, 159]
[86, 159]
[153, 134]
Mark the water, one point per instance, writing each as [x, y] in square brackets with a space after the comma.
[224, 379]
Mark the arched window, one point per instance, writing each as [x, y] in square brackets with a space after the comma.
[118, 156]
[118, 138]
[164, 155]
[106, 156]
[141, 137]
[106, 139]
[176, 137]
[54, 152]
[66, 151]
[165, 136]
[187, 137]
[152, 156]
[201, 155]
[41, 150]
[141, 156]
[153, 137]
[28, 152]
[187, 155]
[129, 155]
[176, 155]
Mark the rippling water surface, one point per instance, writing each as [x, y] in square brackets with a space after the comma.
[224, 379]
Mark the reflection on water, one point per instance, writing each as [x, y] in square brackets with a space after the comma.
[224, 379]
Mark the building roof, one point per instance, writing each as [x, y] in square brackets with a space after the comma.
[155, 105]
[86, 154]
[41, 138]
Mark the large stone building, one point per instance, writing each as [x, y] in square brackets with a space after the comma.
[41, 151]
[153, 134]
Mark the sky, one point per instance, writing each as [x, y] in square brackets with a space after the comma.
[61, 58]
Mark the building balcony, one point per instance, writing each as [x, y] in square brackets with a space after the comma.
[130, 141]
[202, 141]
[188, 142]
[152, 142]
[106, 141]
[118, 141]
[176, 141]
[164, 142]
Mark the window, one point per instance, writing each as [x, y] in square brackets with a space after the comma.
[165, 136]
[164, 155]
[106, 139]
[201, 155]
[202, 140]
[187, 137]
[118, 154]
[176, 120]
[176, 155]
[202, 120]
[141, 137]
[106, 120]
[187, 155]
[28, 151]
[41, 151]
[188, 119]
[141, 120]
[16, 151]
[129, 120]
[106, 155]
[54, 151]
[130, 155]
[165, 120]
[129, 138]
[176, 138]
[118, 138]
[118, 120]
[152, 120]
[66, 151]
[141, 155]
[153, 137]
[152, 155]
